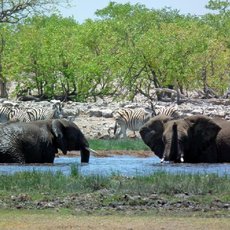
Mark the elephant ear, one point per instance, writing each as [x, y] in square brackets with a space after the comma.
[203, 129]
[151, 133]
[57, 129]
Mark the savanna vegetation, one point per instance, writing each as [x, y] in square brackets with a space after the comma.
[128, 49]
[160, 193]
[38, 190]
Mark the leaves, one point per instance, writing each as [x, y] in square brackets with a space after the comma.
[129, 49]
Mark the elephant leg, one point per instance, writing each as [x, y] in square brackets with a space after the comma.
[16, 158]
[85, 154]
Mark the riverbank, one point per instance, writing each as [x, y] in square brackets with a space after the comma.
[46, 200]
[161, 193]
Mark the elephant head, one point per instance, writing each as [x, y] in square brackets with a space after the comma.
[192, 139]
[69, 137]
[152, 131]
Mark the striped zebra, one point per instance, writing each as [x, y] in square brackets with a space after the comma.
[44, 113]
[32, 114]
[7, 110]
[134, 119]
[5, 113]
[171, 111]
[19, 114]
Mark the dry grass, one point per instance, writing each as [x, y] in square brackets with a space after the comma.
[22, 220]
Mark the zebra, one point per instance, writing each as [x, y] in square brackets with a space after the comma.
[134, 119]
[128, 118]
[32, 114]
[44, 114]
[18, 114]
[5, 113]
[171, 111]
[7, 110]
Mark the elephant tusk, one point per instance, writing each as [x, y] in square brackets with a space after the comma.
[182, 160]
[162, 160]
[91, 150]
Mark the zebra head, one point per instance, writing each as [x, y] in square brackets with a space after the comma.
[57, 108]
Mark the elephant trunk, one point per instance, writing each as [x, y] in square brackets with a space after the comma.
[173, 151]
[177, 153]
[175, 144]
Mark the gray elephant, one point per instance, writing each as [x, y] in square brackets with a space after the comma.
[151, 133]
[38, 141]
[194, 139]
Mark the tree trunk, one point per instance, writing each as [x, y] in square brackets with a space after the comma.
[3, 91]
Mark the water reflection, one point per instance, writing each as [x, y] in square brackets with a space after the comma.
[124, 165]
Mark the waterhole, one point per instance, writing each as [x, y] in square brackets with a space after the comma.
[122, 165]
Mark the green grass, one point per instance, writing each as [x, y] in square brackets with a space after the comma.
[159, 182]
[27, 189]
[118, 144]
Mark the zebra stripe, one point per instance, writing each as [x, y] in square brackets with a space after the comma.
[131, 119]
[5, 113]
[167, 111]
[44, 114]
[134, 119]
[31, 114]
[19, 114]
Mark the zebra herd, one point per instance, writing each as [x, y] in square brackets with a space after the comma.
[12, 112]
[134, 119]
[125, 118]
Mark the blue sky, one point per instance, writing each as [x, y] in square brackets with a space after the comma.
[84, 9]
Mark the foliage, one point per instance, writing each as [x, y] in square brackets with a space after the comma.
[14, 11]
[130, 49]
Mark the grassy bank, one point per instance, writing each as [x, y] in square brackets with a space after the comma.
[118, 144]
[159, 183]
[161, 190]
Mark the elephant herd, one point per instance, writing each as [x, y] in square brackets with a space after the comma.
[194, 139]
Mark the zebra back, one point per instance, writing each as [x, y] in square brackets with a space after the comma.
[133, 119]
[44, 113]
[171, 111]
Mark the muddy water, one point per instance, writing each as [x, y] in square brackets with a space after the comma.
[124, 165]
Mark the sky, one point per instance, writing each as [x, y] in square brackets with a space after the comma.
[85, 9]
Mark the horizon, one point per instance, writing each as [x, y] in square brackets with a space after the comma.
[83, 10]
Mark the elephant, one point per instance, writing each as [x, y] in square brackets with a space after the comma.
[151, 133]
[38, 141]
[194, 139]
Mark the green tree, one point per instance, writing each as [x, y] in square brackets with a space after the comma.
[12, 12]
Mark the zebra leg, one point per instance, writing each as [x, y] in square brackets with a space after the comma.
[117, 135]
[123, 131]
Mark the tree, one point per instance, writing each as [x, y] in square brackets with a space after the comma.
[16, 10]
[130, 49]
[12, 12]
[221, 6]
